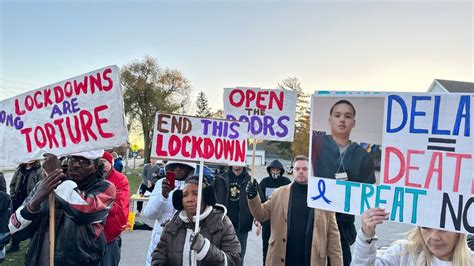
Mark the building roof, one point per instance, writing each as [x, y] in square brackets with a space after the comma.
[456, 86]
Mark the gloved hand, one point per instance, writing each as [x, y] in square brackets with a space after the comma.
[251, 189]
[197, 242]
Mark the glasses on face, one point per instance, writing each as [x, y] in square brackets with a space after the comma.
[80, 160]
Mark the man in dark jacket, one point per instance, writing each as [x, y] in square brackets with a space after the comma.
[5, 211]
[274, 180]
[336, 156]
[24, 179]
[230, 192]
[83, 200]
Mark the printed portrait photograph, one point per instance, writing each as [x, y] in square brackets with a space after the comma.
[346, 137]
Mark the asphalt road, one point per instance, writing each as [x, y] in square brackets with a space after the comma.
[135, 243]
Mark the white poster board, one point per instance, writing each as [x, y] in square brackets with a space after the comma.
[270, 113]
[74, 115]
[426, 172]
[188, 138]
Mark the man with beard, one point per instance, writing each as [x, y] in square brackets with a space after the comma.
[230, 192]
[83, 200]
[274, 180]
[160, 207]
[300, 235]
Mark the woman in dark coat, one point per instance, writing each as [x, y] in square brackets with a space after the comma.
[215, 244]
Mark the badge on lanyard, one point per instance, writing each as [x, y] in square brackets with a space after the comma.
[341, 176]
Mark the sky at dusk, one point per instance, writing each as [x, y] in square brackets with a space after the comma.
[328, 45]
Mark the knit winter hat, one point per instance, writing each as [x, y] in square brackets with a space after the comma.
[108, 157]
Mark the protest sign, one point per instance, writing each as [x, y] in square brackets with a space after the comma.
[426, 169]
[199, 139]
[74, 115]
[270, 113]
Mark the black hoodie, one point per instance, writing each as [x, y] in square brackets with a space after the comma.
[268, 184]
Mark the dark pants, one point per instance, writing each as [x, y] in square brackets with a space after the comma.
[266, 232]
[243, 244]
[143, 188]
[112, 253]
[346, 253]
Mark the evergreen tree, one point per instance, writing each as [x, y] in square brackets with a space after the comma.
[203, 109]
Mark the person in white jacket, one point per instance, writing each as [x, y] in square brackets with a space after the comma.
[160, 207]
[423, 246]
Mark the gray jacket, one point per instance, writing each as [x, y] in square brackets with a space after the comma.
[33, 178]
[222, 245]
[148, 171]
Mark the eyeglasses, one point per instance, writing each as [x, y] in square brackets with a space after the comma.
[80, 160]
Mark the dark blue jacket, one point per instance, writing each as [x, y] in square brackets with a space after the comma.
[356, 162]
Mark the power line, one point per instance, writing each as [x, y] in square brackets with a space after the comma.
[15, 87]
[14, 81]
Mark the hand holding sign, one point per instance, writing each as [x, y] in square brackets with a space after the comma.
[45, 187]
[251, 189]
[371, 218]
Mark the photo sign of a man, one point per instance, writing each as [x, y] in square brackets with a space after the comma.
[338, 157]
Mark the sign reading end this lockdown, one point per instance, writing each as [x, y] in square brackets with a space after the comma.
[270, 113]
[426, 173]
[193, 138]
[77, 114]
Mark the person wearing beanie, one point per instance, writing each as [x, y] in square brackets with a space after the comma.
[274, 180]
[216, 242]
[160, 207]
[118, 216]
[83, 200]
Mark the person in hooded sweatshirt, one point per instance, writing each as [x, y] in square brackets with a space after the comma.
[216, 242]
[274, 180]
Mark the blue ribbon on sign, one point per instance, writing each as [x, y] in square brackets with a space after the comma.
[322, 192]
